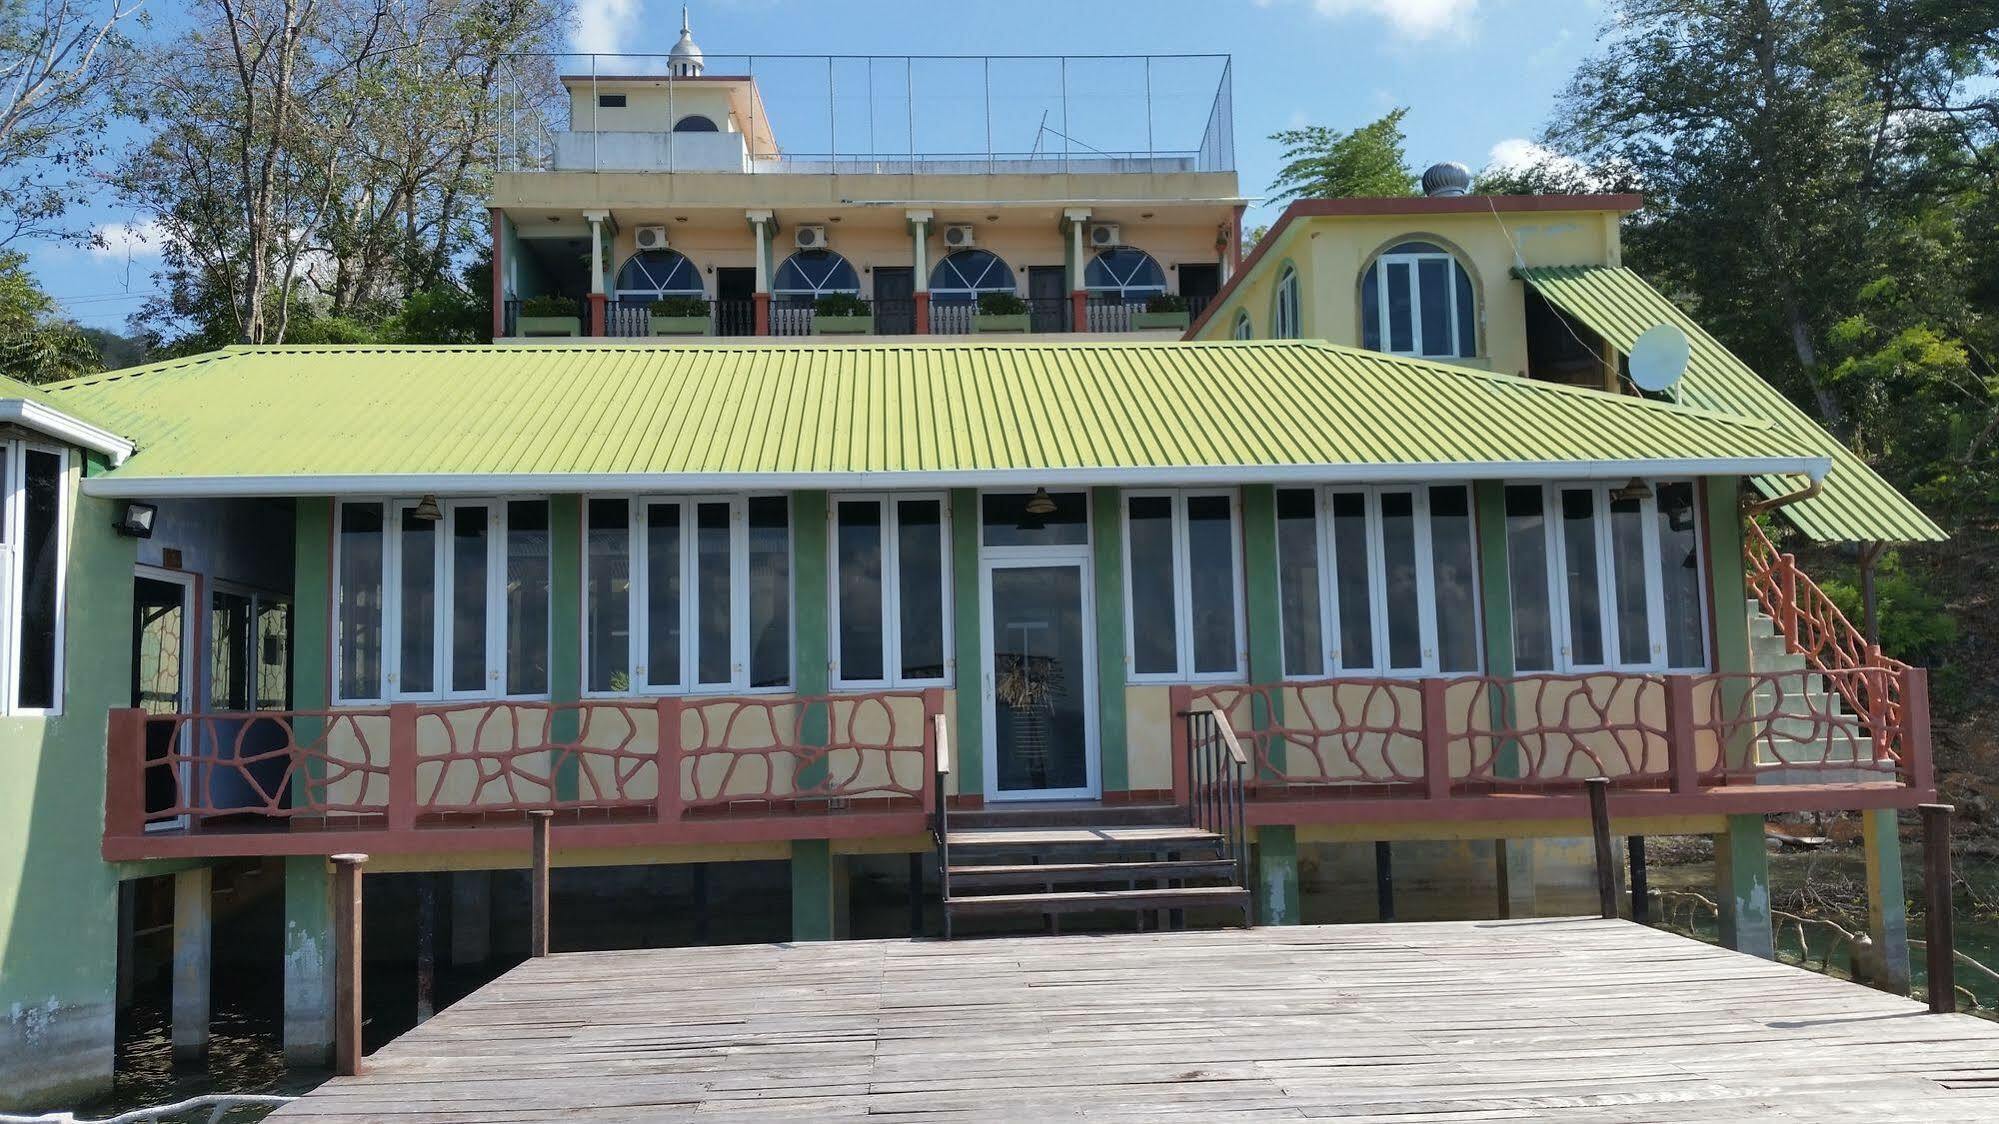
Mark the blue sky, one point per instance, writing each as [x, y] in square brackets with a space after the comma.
[1479, 77]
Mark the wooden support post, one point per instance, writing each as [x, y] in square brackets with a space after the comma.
[347, 964]
[193, 961]
[699, 891]
[1937, 921]
[1436, 741]
[916, 893]
[402, 766]
[1641, 905]
[538, 885]
[1681, 755]
[1384, 880]
[426, 946]
[1606, 861]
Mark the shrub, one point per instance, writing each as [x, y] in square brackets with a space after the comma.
[840, 304]
[680, 306]
[1166, 302]
[548, 306]
[1001, 304]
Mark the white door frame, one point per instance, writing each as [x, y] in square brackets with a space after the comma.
[192, 678]
[1016, 558]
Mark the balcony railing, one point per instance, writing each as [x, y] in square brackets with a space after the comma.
[894, 115]
[695, 769]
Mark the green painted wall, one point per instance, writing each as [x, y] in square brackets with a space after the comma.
[818, 891]
[1107, 558]
[58, 898]
[1276, 886]
[811, 652]
[1724, 539]
[1266, 640]
[565, 633]
[1496, 603]
[968, 736]
[1742, 887]
[312, 603]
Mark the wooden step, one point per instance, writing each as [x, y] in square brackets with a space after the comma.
[1086, 842]
[1036, 874]
[1087, 901]
[1070, 813]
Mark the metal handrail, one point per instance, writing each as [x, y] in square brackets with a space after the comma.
[1216, 780]
[940, 828]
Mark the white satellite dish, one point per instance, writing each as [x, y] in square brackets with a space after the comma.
[1659, 358]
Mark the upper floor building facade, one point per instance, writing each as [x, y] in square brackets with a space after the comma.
[688, 195]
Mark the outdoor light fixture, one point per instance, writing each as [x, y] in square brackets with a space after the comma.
[1636, 489]
[1041, 503]
[426, 509]
[136, 522]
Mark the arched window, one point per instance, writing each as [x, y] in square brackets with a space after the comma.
[651, 274]
[1416, 299]
[810, 274]
[1124, 272]
[1242, 329]
[694, 123]
[1284, 306]
[962, 276]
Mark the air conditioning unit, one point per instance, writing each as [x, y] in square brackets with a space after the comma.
[1104, 235]
[960, 235]
[650, 237]
[811, 237]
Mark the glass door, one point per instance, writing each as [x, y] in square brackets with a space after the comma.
[161, 683]
[1040, 679]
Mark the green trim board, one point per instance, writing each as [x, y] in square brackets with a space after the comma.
[565, 637]
[1263, 613]
[1856, 505]
[968, 756]
[312, 619]
[809, 595]
[1107, 558]
[1495, 584]
[559, 418]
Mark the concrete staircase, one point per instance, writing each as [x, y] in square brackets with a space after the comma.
[1047, 860]
[1799, 734]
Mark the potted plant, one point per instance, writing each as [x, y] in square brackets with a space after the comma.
[841, 313]
[548, 316]
[680, 316]
[1163, 310]
[1000, 312]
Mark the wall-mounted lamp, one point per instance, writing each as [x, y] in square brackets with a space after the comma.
[427, 510]
[1636, 489]
[136, 520]
[1041, 503]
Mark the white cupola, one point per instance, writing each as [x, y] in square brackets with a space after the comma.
[684, 61]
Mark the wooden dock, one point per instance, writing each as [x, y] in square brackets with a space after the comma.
[1564, 1019]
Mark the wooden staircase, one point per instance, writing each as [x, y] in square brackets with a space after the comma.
[1035, 860]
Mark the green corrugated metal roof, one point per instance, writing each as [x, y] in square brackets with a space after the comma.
[256, 420]
[1856, 505]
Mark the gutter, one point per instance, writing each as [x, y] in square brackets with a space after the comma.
[482, 484]
[46, 419]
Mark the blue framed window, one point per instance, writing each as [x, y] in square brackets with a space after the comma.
[1125, 272]
[1417, 299]
[963, 275]
[652, 274]
[810, 274]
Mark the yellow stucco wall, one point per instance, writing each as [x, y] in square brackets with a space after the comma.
[649, 108]
[1212, 193]
[1332, 252]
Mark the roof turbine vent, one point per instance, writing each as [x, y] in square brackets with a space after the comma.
[1448, 178]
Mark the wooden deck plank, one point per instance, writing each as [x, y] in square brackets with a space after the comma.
[1567, 1020]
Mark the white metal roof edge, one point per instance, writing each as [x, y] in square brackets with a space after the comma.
[46, 419]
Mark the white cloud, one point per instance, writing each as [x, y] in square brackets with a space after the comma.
[605, 27]
[1413, 19]
[1518, 154]
[120, 241]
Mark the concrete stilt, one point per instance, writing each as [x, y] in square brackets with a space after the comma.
[818, 891]
[308, 964]
[128, 920]
[1742, 886]
[1513, 871]
[1277, 876]
[471, 917]
[426, 946]
[194, 925]
[1887, 901]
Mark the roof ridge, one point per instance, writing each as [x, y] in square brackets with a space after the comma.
[156, 367]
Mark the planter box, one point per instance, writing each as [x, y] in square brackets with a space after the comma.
[1142, 319]
[843, 325]
[1009, 322]
[681, 326]
[548, 325]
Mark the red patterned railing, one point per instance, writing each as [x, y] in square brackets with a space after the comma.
[408, 765]
[1813, 626]
[1475, 735]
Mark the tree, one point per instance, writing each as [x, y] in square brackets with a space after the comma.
[59, 61]
[36, 345]
[1320, 163]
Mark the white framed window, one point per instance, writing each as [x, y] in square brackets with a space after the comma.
[1284, 307]
[1606, 577]
[1242, 329]
[1378, 581]
[445, 600]
[1416, 299]
[686, 593]
[34, 551]
[1183, 586]
[889, 607]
